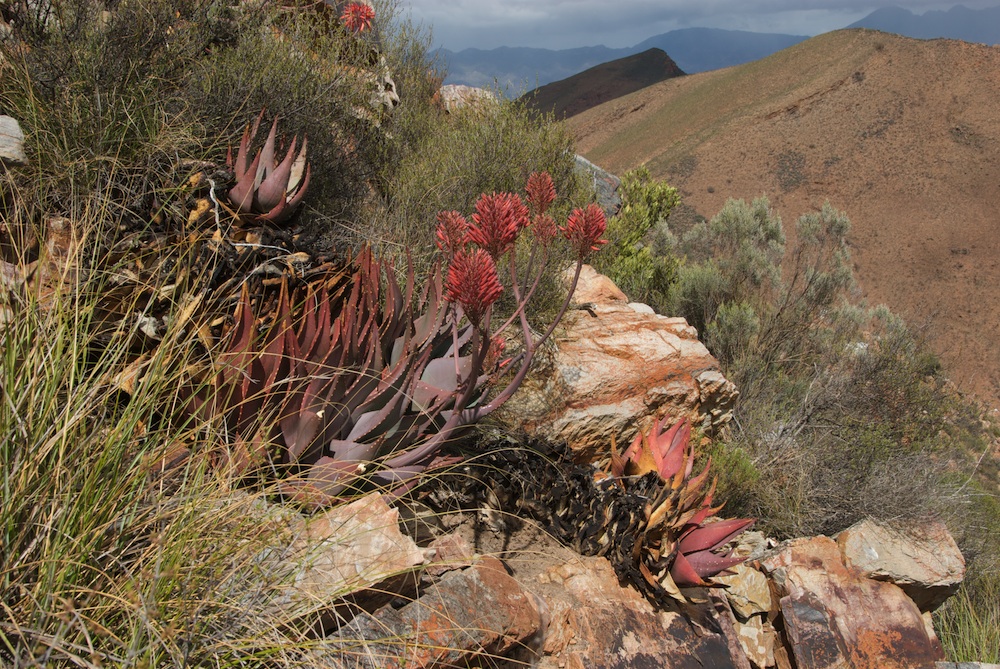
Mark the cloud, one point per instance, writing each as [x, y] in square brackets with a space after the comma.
[561, 24]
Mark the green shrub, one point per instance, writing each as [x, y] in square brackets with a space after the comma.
[639, 256]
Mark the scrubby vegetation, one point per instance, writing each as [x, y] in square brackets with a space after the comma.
[124, 253]
[843, 413]
[135, 447]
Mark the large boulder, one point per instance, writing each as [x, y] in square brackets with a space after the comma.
[924, 561]
[835, 616]
[613, 367]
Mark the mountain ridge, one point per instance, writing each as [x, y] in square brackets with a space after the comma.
[899, 133]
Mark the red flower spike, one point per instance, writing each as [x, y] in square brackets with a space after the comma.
[452, 232]
[541, 191]
[473, 283]
[498, 220]
[584, 228]
[358, 17]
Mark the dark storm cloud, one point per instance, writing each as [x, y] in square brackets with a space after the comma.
[561, 24]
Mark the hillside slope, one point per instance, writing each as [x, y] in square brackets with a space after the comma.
[901, 134]
[603, 83]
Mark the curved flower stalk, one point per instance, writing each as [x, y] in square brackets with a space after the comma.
[681, 543]
[268, 190]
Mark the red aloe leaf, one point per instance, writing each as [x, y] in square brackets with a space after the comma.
[278, 213]
[351, 451]
[266, 155]
[298, 178]
[327, 478]
[669, 448]
[273, 190]
[299, 430]
[372, 424]
[241, 195]
[684, 573]
[300, 191]
[707, 564]
[714, 535]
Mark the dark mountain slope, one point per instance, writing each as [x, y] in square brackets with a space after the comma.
[602, 83]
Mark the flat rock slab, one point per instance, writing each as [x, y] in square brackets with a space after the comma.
[597, 624]
[835, 617]
[353, 552]
[477, 611]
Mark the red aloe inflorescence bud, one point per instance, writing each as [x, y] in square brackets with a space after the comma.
[358, 16]
[584, 229]
[544, 228]
[499, 219]
[541, 192]
[452, 232]
[473, 283]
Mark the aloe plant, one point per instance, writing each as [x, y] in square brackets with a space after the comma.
[359, 381]
[679, 545]
[268, 190]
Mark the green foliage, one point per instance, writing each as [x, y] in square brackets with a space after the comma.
[491, 147]
[638, 257]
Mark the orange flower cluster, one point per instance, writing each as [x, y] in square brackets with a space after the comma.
[584, 229]
[473, 283]
[358, 17]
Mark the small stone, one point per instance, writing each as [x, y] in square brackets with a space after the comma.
[11, 142]
[747, 591]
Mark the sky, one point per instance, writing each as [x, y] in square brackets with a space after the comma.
[565, 24]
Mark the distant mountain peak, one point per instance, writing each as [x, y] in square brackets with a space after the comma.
[602, 83]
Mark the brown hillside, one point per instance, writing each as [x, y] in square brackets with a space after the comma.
[903, 135]
[602, 83]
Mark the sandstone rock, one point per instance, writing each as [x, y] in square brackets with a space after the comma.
[476, 611]
[447, 553]
[11, 142]
[346, 551]
[836, 617]
[611, 371]
[597, 624]
[747, 591]
[757, 638]
[925, 562]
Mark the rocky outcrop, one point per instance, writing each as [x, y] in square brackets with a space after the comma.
[614, 367]
[835, 616]
[924, 561]
[370, 597]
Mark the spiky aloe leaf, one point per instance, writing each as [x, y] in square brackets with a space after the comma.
[712, 536]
